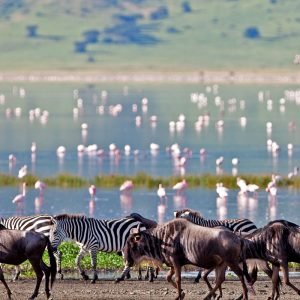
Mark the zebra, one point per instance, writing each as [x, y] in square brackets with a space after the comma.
[243, 226]
[93, 235]
[38, 223]
[240, 226]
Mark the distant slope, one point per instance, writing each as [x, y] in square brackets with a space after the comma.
[149, 35]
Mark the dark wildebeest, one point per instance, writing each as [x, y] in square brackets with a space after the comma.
[179, 242]
[281, 239]
[240, 226]
[16, 246]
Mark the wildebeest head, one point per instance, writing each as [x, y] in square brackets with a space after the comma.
[135, 248]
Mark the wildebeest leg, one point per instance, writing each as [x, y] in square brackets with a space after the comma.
[35, 262]
[205, 278]
[17, 273]
[275, 280]
[46, 271]
[220, 277]
[94, 264]
[285, 273]
[170, 275]
[5, 284]
[198, 277]
[78, 260]
[238, 271]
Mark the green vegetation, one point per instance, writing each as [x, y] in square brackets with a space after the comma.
[105, 261]
[148, 35]
[142, 180]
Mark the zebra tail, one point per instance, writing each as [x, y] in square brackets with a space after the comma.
[53, 265]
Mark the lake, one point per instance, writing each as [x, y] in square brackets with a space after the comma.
[257, 124]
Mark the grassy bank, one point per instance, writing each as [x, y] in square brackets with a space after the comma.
[142, 180]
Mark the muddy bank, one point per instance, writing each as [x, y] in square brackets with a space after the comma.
[138, 290]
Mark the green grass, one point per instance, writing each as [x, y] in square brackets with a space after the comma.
[210, 37]
[142, 180]
[105, 262]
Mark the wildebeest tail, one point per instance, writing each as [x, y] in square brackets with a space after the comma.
[243, 259]
[53, 265]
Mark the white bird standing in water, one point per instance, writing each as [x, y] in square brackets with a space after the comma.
[20, 197]
[92, 191]
[221, 190]
[161, 193]
[40, 185]
[180, 186]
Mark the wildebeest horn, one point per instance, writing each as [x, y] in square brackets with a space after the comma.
[136, 230]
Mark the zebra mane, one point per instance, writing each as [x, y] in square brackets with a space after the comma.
[195, 213]
[69, 216]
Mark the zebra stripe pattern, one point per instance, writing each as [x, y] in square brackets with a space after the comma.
[93, 235]
[235, 225]
[38, 223]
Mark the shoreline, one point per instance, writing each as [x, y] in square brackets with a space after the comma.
[202, 77]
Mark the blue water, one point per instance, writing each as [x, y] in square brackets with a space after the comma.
[107, 125]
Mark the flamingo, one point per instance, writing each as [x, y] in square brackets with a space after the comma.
[180, 186]
[20, 197]
[272, 187]
[40, 185]
[252, 188]
[22, 172]
[221, 190]
[241, 183]
[161, 192]
[92, 191]
[126, 186]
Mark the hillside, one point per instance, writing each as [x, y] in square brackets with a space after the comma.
[149, 35]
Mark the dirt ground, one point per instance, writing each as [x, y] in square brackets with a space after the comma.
[138, 290]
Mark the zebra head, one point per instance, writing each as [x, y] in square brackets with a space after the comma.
[57, 233]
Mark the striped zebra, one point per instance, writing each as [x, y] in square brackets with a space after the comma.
[38, 223]
[93, 235]
[241, 226]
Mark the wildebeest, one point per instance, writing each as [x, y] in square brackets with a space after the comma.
[16, 246]
[179, 242]
[242, 226]
[281, 239]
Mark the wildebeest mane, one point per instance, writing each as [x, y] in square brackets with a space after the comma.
[193, 212]
[146, 222]
[69, 216]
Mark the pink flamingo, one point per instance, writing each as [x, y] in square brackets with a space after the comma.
[20, 197]
[92, 191]
[126, 186]
[180, 186]
[40, 185]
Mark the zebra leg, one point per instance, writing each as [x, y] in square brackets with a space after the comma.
[58, 257]
[17, 273]
[78, 260]
[94, 265]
